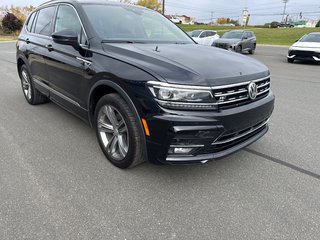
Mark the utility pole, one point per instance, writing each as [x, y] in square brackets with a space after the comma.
[163, 3]
[284, 10]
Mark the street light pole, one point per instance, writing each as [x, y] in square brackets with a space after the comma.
[284, 9]
[163, 2]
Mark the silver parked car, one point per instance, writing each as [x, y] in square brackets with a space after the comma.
[237, 40]
[204, 37]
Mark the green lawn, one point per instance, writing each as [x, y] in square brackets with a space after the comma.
[273, 36]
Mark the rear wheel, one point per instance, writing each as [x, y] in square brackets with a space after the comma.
[290, 60]
[32, 95]
[117, 131]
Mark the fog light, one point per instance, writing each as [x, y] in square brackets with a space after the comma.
[180, 150]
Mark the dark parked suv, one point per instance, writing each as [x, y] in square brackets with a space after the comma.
[238, 41]
[147, 88]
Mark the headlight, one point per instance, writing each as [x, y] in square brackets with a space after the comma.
[182, 96]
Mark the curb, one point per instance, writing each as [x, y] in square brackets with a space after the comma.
[270, 45]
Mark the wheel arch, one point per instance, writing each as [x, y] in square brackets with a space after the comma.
[20, 63]
[104, 87]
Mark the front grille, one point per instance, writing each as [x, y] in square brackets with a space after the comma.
[230, 140]
[304, 54]
[228, 96]
[222, 45]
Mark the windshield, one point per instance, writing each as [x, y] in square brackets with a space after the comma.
[310, 38]
[133, 24]
[237, 35]
[195, 33]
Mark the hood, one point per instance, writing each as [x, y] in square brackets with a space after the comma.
[312, 46]
[190, 64]
[230, 41]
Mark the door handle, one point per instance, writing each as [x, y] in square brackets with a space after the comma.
[49, 47]
[27, 40]
[85, 62]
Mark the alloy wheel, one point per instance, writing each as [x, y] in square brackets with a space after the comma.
[113, 132]
[26, 84]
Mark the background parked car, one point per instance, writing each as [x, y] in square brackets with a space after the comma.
[237, 40]
[175, 20]
[285, 25]
[204, 37]
[306, 48]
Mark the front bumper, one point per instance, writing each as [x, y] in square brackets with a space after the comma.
[210, 134]
[304, 55]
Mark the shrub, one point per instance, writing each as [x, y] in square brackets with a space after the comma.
[11, 23]
[318, 24]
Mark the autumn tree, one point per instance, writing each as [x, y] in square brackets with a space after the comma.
[11, 23]
[152, 4]
[21, 12]
[223, 20]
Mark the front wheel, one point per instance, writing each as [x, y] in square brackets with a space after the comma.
[118, 132]
[252, 50]
[239, 49]
[290, 60]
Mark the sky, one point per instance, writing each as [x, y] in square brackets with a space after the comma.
[262, 11]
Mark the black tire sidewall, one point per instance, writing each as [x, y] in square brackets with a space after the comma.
[120, 105]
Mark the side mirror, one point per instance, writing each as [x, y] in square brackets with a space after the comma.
[296, 40]
[245, 37]
[67, 37]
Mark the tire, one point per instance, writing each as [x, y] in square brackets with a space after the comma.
[239, 49]
[117, 131]
[290, 60]
[252, 51]
[32, 95]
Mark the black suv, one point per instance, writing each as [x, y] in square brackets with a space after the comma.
[147, 88]
[238, 41]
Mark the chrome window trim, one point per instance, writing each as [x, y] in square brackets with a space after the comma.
[84, 30]
[36, 19]
[55, 18]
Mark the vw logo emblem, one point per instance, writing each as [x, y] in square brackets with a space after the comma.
[252, 90]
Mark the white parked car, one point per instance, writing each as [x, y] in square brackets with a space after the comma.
[175, 20]
[204, 37]
[306, 48]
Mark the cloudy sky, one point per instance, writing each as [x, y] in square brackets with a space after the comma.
[261, 11]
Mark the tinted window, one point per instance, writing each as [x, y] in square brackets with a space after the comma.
[310, 38]
[233, 34]
[195, 33]
[209, 34]
[45, 17]
[250, 34]
[67, 18]
[204, 34]
[30, 21]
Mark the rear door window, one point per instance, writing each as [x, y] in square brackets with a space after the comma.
[30, 21]
[44, 21]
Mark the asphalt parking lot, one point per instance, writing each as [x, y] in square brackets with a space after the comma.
[56, 184]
